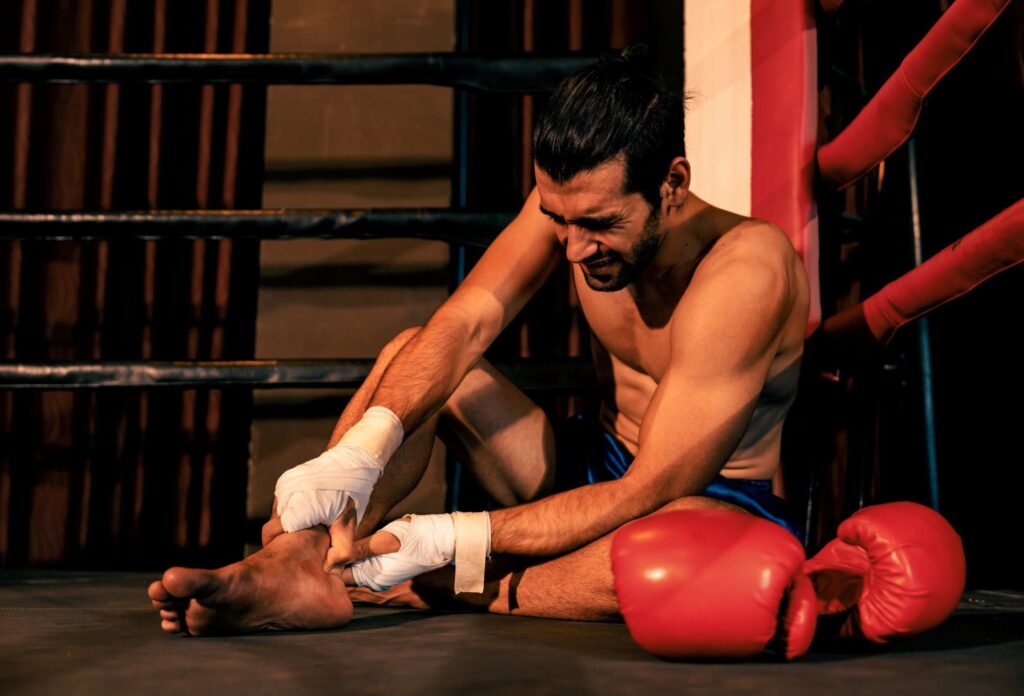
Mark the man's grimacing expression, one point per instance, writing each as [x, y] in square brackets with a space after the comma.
[611, 234]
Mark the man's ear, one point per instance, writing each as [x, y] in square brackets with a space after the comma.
[676, 185]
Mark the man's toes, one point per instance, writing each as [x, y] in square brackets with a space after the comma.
[189, 582]
[170, 626]
[158, 593]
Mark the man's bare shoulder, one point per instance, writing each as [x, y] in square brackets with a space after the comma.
[755, 242]
[752, 253]
[751, 272]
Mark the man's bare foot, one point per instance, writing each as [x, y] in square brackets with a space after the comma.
[401, 595]
[283, 586]
[434, 590]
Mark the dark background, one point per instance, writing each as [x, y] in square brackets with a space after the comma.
[968, 144]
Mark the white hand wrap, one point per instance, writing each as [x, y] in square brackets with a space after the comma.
[472, 547]
[316, 492]
[429, 542]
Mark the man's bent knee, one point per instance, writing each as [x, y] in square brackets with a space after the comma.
[698, 502]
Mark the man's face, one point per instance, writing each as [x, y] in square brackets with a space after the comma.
[612, 235]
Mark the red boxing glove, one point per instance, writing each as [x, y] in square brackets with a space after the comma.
[712, 584]
[897, 568]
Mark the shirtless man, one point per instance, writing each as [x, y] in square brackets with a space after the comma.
[698, 317]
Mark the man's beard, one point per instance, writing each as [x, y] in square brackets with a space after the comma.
[621, 272]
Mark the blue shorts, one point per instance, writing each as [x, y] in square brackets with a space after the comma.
[586, 453]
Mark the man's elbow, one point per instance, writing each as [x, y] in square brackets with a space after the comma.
[651, 493]
[476, 319]
[645, 494]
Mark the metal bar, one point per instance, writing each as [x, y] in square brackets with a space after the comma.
[460, 174]
[564, 375]
[459, 189]
[453, 226]
[924, 345]
[516, 73]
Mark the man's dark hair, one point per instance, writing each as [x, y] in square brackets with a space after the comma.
[615, 107]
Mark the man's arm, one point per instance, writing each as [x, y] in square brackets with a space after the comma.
[430, 367]
[725, 333]
[334, 488]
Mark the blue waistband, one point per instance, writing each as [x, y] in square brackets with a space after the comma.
[606, 459]
[755, 497]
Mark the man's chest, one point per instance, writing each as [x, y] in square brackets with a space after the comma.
[630, 340]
